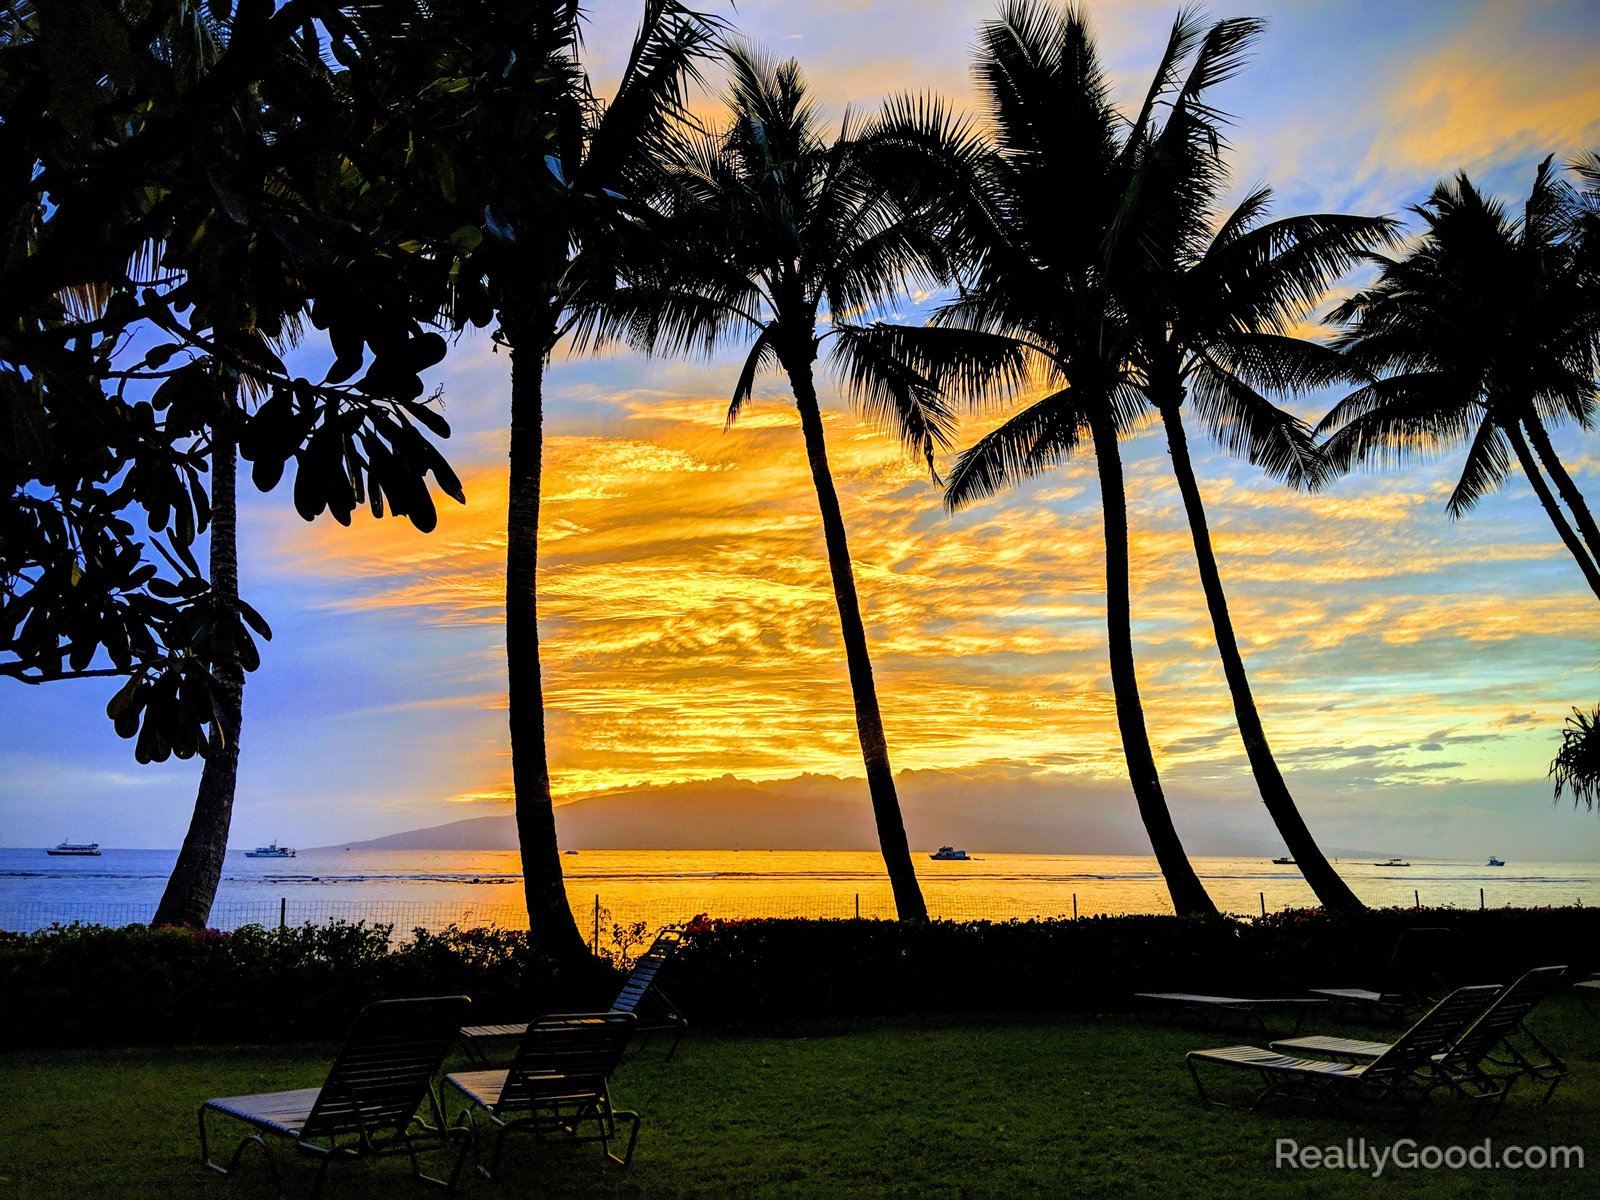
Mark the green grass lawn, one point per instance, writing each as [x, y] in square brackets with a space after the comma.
[926, 1108]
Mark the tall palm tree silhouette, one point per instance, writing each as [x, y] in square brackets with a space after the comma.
[777, 232]
[1486, 331]
[1052, 213]
[525, 178]
[1215, 320]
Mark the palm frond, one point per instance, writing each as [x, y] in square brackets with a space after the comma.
[893, 393]
[1488, 463]
[968, 365]
[1576, 766]
[1246, 424]
[1039, 437]
[1394, 418]
[665, 57]
[1273, 362]
[763, 354]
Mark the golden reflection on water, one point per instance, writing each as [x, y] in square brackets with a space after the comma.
[660, 886]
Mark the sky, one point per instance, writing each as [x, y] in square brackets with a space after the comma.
[1413, 672]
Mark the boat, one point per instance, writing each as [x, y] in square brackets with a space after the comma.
[1283, 862]
[75, 850]
[569, 852]
[949, 854]
[1393, 862]
[1496, 862]
[272, 851]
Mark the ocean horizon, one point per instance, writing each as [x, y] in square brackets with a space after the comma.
[436, 888]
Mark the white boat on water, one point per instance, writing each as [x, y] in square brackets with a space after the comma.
[75, 850]
[949, 854]
[272, 851]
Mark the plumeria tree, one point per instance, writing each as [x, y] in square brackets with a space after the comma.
[168, 230]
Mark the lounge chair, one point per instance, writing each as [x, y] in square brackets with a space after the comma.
[1245, 1010]
[641, 995]
[555, 1087]
[367, 1105]
[1404, 1072]
[1496, 1038]
[1414, 979]
[1587, 990]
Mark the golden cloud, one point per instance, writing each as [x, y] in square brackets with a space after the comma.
[1500, 84]
[689, 627]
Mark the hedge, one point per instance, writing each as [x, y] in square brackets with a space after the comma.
[93, 985]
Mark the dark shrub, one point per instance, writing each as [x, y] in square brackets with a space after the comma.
[91, 985]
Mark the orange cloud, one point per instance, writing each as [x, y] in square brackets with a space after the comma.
[689, 627]
[1499, 85]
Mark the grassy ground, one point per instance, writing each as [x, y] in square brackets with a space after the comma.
[925, 1108]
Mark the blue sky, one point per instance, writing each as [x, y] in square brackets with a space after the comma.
[1413, 672]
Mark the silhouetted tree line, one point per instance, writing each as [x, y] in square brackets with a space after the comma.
[192, 188]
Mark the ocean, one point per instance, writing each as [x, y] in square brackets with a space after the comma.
[434, 888]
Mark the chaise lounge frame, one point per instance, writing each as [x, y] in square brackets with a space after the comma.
[368, 1105]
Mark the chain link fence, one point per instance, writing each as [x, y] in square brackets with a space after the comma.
[597, 914]
[601, 916]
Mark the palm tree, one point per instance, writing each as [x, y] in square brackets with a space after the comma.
[1577, 763]
[771, 229]
[1054, 212]
[525, 179]
[1482, 333]
[1215, 323]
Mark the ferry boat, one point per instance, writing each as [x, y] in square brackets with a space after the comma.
[949, 854]
[76, 850]
[272, 851]
[1393, 862]
[1496, 862]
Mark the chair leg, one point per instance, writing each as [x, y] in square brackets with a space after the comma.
[679, 1030]
[322, 1174]
[205, 1149]
[499, 1147]
[632, 1120]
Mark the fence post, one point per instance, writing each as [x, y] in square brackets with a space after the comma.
[1263, 896]
[858, 906]
[1074, 906]
[283, 912]
[597, 922]
[1480, 898]
[1417, 896]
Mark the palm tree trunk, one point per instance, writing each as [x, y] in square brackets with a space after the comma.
[550, 919]
[1530, 468]
[1564, 485]
[1189, 896]
[192, 886]
[892, 841]
[1330, 889]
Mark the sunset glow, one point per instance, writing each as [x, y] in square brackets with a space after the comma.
[1407, 667]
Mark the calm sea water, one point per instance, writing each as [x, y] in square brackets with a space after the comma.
[409, 888]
